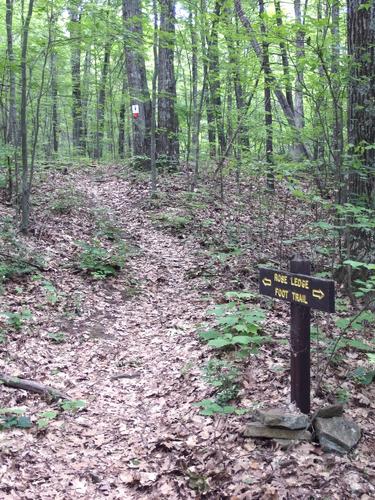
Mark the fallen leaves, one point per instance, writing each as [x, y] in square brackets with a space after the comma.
[140, 437]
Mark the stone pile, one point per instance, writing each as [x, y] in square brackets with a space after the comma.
[327, 426]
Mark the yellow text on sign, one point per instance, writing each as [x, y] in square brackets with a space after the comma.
[299, 282]
[281, 278]
[299, 297]
[281, 292]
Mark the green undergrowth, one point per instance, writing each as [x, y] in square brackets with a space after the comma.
[16, 259]
[236, 334]
[16, 417]
[173, 222]
[99, 261]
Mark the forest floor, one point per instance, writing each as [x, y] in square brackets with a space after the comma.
[128, 347]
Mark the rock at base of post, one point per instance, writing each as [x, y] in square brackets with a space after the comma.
[258, 430]
[283, 418]
[337, 434]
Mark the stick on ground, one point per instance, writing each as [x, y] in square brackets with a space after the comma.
[31, 386]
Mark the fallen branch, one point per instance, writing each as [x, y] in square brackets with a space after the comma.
[31, 386]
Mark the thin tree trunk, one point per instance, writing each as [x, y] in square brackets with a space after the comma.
[337, 134]
[75, 59]
[98, 149]
[214, 76]
[11, 129]
[234, 62]
[267, 98]
[194, 80]
[299, 83]
[121, 127]
[55, 118]
[153, 100]
[284, 58]
[25, 186]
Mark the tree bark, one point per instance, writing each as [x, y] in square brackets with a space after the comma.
[167, 136]
[75, 61]
[214, 79]
[122, 115]
[98, 150]
[153, 100]
[284, 58]
[300, 54]
[361, 107]
[337, 134]
[25, 185]
[11, 127]
[137, 81]
[267, 99]
[55, 118]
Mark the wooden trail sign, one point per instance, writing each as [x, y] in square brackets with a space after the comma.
[304, 292]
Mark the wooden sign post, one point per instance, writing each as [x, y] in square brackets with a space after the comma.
[304, 292]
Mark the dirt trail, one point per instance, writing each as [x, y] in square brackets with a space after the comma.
[125, 438]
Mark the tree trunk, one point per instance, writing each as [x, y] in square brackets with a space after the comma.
[98, 149]
[55, 120]
[337, 134]
[11, 127]
[137, 81]
[300, 54]
[75, 61]
[284, 58]
[153, 100]
[194, 80]
[267, 98]
[25, 186]
[361, 108]
[214, 76]
[167, 137]
[121, 126]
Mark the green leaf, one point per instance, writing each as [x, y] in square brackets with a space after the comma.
[358, 344]
[241, 339]
[13, 410]
[73, 404]
[23, 422]
[209, 334]
[220, 342]
[45, 418]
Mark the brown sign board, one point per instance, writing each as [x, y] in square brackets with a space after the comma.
[308, 291]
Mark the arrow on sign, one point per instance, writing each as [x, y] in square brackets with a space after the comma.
[318, 294]
[266, 282]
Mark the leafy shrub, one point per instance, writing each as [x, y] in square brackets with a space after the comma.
[16, 259]
[15, 320]
[236, 325]
[363, 287]
[210, 407]
[224, 377]
[100, 262]
[12, 269]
